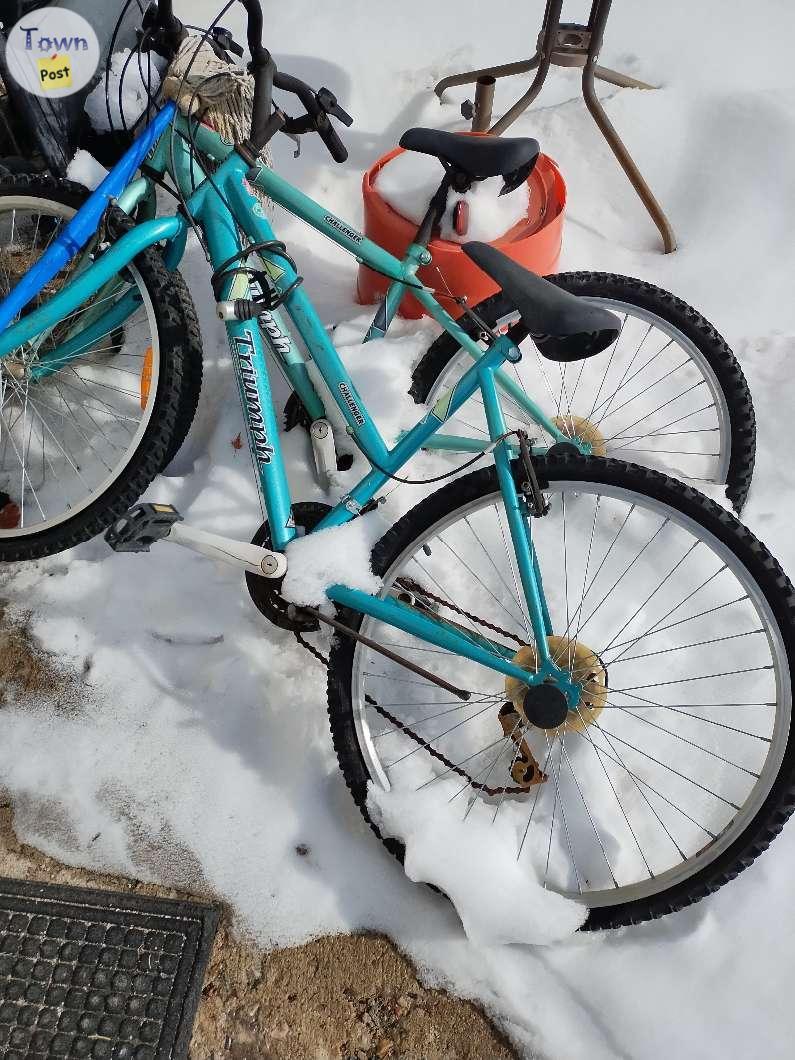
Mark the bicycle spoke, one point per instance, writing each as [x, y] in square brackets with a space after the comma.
[586, 736]
[558, 797]
[656, 431]
[676, 772]
[683, 647]
[535, 798]
[626, 380]
[609, 363]
[487, 554]
[691, 743]
[479, 580]
[657, 628]
[642, 393]
[624, 573]
[590, 817]
[650, 597]
[640, 784]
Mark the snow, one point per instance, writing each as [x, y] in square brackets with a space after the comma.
[139, 81]
[85, 170]
[337, 556]
[206, 764]
[407, 182]
[472, 862]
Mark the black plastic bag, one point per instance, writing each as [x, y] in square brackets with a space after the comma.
[43, 134]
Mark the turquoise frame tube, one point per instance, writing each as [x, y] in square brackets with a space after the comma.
[221, 218]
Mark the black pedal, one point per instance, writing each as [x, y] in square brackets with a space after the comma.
[141, 526]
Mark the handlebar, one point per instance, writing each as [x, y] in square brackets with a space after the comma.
[259, 54]
[172, 25]
[318, 106]
[266, 121]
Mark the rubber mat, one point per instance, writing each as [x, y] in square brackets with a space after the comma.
[99, 974]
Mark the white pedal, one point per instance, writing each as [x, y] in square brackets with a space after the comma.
[324, 451]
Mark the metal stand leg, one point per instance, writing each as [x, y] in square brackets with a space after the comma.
[613, 77]
[469, 78]
[522, 104]
[573, 46]
[625, 160]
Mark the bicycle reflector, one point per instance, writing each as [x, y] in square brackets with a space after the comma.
[146, 376]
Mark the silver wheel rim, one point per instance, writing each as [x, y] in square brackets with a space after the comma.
[678, 425]
[66, 439]
[780, 699]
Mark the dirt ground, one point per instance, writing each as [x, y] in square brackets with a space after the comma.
[342, 997]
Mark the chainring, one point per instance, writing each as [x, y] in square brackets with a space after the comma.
[266, 592]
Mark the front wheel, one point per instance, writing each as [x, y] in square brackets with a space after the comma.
[676, 768]
[668, 393]
[79, 445]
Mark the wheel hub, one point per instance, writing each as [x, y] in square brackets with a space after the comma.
[581, 429]
[544, 706]
[17, 369]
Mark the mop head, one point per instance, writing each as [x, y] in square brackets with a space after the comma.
[215, 93]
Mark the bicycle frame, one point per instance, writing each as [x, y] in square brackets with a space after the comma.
[221, 217]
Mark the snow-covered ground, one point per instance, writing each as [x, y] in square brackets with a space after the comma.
[202, 754]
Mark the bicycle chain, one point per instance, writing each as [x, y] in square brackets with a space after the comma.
[408, 583]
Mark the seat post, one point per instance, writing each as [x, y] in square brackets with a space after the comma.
[434, 213]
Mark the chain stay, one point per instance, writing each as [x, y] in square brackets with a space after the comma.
[411, 586]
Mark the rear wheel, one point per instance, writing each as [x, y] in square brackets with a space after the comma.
[79, 445]
[668, 394]
[677, 767]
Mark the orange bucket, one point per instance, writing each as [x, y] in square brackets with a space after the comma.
[534, 242]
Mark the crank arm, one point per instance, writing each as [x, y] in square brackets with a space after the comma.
[144, 524]
[240, 554]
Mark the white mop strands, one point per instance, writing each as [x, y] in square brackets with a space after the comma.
[214, 92]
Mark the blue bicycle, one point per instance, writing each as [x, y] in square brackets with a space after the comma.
[593, 655]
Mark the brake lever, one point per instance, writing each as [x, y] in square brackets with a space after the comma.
[224, 39]
[327, 102]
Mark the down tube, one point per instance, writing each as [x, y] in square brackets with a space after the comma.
[309, 326]
[251, 371]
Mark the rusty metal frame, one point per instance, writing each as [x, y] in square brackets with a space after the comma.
[571, 45]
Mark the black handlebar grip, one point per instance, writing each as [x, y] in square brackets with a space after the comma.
[254, 31]
[320, 120]
[165, 13]
[263, 101]
[173, 30]
[328, 134]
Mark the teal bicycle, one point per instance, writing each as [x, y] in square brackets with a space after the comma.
[598, 654]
